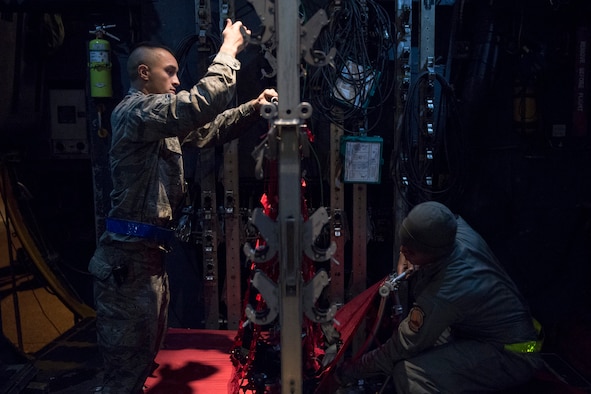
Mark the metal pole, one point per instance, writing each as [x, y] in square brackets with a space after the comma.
[290, 220]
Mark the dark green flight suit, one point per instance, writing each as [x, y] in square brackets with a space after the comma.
[454, 338]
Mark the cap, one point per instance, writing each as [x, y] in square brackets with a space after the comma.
[429, 227]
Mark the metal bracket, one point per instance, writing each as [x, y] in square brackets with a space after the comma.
[268, 230]
[311, 293]
[272, 60]
[265, 10]
[312, 228]
[310, 33]
[269, 292]
[229, 203]
[203, 11]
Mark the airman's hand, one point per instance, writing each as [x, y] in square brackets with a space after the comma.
[234, 37]
[404, 265]
[267, 96]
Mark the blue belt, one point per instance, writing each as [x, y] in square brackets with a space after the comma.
[137, 229]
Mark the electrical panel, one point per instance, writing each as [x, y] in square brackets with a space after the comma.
[68, 122]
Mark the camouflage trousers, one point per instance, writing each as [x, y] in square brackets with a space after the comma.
[131, 299]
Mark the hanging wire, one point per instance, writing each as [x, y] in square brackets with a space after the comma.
[360, 79]
[409, 168]
[184, 48]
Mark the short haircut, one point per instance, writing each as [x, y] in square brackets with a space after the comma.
[138, 55]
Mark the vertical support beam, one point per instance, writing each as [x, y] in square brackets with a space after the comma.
[427, 33]
[232, 211]
[203, 18]
[209, 239]
[290, 281]
[359, 280]
[337, 205]
[232, 236]
[207, 179]
[404, 78]
[290, 226]
[359, 238]
[426, 124]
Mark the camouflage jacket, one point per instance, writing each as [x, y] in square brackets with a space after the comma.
[148, 130]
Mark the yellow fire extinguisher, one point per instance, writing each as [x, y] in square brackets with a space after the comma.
[99, 62]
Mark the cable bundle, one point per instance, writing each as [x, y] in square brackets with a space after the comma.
[409, 162]
[360, 31]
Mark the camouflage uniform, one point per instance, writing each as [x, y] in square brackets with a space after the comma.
[131, 284]
[453, 339]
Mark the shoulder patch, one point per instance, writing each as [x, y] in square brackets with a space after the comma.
[416, 317]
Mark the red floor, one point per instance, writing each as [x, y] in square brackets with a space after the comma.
[196, 361]
[193, 361]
